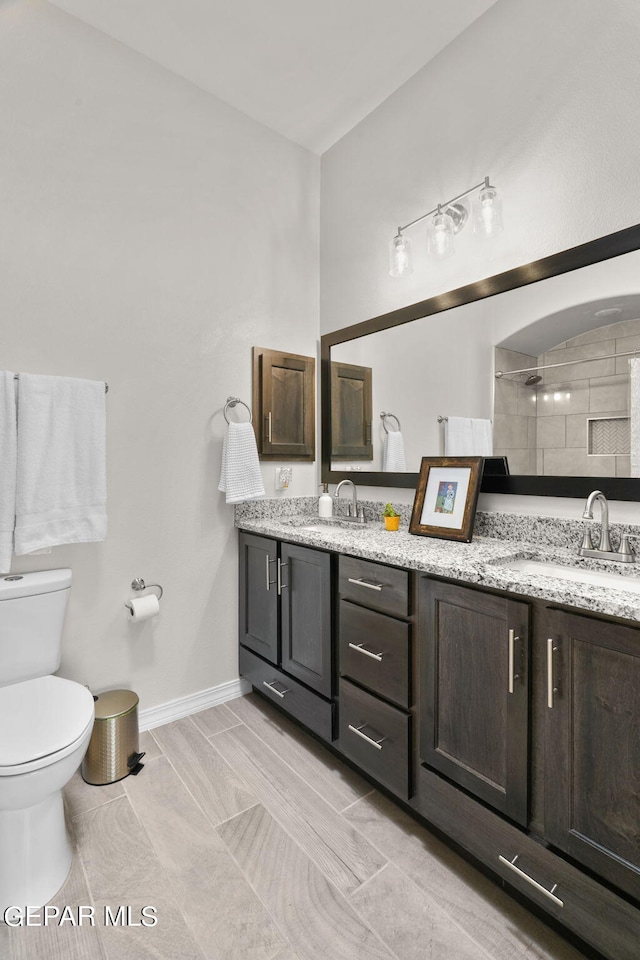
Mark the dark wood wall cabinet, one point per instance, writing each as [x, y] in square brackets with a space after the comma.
[284, 405]
[511, 725]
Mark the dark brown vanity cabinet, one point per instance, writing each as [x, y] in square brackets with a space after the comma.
[286, 637]
[375, 661]
[592, 745]
[474, 677]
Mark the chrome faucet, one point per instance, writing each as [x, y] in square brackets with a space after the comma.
[604, 550]
[355, 510]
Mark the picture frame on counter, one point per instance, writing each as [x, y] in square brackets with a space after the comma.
[446, 498]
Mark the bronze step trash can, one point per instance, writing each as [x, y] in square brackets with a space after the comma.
[113, 751]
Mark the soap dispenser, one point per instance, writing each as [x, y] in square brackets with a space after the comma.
[325, 503]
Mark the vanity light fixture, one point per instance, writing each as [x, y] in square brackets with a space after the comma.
[448, 219]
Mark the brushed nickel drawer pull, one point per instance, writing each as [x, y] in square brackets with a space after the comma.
[280, 568]
[359, 582]
[374, 743]
[368, 653]
[279, 693]
[268, 561]
[269, 427]
[513, 676]
[551, 689]
[511, 864]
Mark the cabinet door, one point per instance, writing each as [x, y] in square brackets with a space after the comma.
[258, 595]
[474, 650]
[351, 412]
[284, 401]
[592, 745]
[306, 616]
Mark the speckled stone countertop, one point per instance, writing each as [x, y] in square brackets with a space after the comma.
[483, 561]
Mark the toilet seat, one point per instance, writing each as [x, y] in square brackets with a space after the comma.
[42, 721]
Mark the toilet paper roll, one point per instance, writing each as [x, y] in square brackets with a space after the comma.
[141, 608]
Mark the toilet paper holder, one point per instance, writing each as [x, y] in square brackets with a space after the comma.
[139, 584]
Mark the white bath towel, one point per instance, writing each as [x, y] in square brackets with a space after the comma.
[468, 437]
[61, 488]
[393, 460]
[8, 448]
[240, 475]
[634, 414]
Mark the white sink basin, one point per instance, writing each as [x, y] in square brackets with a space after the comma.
[598, 578]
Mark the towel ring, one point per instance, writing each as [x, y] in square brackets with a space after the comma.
[389, 416]
[234, 401]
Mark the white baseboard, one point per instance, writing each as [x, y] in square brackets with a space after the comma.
[175, 709]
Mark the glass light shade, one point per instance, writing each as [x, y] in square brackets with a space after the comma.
[400, 264]
[440, 235]
[487, 212]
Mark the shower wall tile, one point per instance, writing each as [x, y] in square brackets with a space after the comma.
[576, 430]
[608, 394]
[553, 399]
[551, 432]
[574, 462]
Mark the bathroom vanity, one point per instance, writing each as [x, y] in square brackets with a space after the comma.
[501, 705]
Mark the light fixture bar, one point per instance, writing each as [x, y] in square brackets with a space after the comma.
[447, 203]
[566, 363]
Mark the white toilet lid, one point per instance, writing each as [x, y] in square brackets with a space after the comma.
[41, 717]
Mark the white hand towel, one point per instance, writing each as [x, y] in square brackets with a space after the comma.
[393, 460]
[634, 414]
[240, 474]
[61, 476]
[468, 437]
[8, 452]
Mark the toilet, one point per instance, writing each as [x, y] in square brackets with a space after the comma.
[45, 728]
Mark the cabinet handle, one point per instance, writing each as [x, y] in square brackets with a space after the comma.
[368, 653]
[513, 676]
[511, 864]
[280, 568]
[374, 743]
[551, 689]
[268, 561]
[279, 693]
[269, 427]
[359, 582]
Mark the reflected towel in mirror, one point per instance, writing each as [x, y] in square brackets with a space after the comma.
[468, 437]
[634, 414]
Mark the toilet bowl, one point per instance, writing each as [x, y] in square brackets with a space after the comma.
[45, 728]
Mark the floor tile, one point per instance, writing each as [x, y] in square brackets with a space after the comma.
[314, 916]
[343, 854]
[149, 746]
[409, 921]
[224, 914]
[493, 919]
[215, 785]
[331, 778]
[80, 796]
[215, 719]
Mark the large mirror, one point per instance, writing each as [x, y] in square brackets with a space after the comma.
[537, 356]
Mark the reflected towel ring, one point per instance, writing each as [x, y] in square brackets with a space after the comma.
[234, 401]
[389, 416]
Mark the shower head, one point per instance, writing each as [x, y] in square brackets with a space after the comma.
[531, 380]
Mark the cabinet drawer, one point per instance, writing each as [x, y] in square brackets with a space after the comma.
[376, 737]
[594, 913]
[374, 650]
[307, 707]
[375, 585]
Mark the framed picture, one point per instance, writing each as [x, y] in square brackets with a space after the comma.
[446, 497]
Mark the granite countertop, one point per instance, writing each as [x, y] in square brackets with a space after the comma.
[480, 562]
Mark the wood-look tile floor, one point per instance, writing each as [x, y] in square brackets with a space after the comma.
[254, 843]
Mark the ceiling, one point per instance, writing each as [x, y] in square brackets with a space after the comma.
[309, 69]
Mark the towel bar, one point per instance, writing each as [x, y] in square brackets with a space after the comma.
[16, 376]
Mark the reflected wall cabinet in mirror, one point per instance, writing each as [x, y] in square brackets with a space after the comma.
[284, 405]
[351, 412]
[543, 351]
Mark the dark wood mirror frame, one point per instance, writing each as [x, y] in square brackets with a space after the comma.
[605, 248]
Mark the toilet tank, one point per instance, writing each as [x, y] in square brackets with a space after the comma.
[32, 609]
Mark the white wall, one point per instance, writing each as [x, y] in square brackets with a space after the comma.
[541, 96]
[151, 235]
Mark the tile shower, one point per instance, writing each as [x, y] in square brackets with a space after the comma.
[575, 422]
